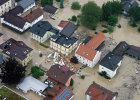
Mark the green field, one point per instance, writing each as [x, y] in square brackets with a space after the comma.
[6, 93]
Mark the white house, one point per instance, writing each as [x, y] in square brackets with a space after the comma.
[14, 22]
[97, 92]
[88, 52]
[42, 31]
[34, 16]
[26, 4]
[110, 64]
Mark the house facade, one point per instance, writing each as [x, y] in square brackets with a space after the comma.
[6, 5]
[97, 92]
[16, 49]
[88, 52]
[42, 31]
[63, 44]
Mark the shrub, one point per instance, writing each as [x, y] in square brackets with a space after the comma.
[75, 6]
[82, 76]
[112, 20]
[78, 23]
[58, 0]
[105, 31]
[110, 29]
[139, 29]
[71, 82]
[74, 18]
[104, 74]
[119, 26]
[44, 45]
[133, 24]
[40, 55]
[36, 72]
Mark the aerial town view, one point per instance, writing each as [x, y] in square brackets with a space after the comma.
[69, 49]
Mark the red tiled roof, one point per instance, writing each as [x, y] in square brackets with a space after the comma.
[88, 50]
[98, 92]
[63, 23]
[33, 15]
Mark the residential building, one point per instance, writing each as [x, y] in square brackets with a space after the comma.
[16, 49]
[31, 83]
[60, 75]
[14, 22]
[88, 52]
[62, 25]
[6, 5]
[97, 92]
[110, 64]
[112, 61]
[42, 31]
[127, 4]
[62, 44]
[51, 10]
[34, 16]
[58, 92]
[26, 4]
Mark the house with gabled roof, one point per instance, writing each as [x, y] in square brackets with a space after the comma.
[97, 92]
[88, 52]
[34, 16]
[50, 9]
[42, 31]
[26, 4]
[16, 49]
[60, 75]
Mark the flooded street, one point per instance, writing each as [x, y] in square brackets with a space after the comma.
[125, 75]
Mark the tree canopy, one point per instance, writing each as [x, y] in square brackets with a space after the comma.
[36, 72]
[112, 20]
[11, 71]
[111, 8]
[75, 5]
[44, 2]
[91, 15]
[134, 14]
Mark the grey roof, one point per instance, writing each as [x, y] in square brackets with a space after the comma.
[87, 40]
[111, 61]
[63, 40]
[1, 58]
[69, 29]
[65, 95]
[25, 3]
[3, 1]
[41, 28]
[17, 10]
[50, 9]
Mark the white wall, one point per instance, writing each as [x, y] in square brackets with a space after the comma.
[88, 97]
[37, 20]
[31, 6]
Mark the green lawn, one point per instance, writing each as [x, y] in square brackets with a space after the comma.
[6, 93]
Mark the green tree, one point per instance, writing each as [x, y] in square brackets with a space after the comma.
[61, 4]
[71, 82]
[58, 0]
[74, 18]
[91, 15]
[44, 2]
[36, 72]
[111, 8]
[112, 20]
[110, 29]
[134, 14]
[75, 5]
[139, 29]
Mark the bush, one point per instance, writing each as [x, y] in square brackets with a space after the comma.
[139, 29]
[78, 23]
[40, 55]
[71, 82]
[45, 2]
[36, 72]
[44, 45]
[74, 18]
[110, 29]
[75, 6]
[119, 26]
[58, 0]
[133, 24]
[105, 31]
[112, 20]
[82, 76]
[104, 74]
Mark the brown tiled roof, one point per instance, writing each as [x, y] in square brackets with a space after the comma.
[98, 92]
[15, 48]
[62, 24]
[57, 74]
[88, 50]
[33, 15]
[14, 20]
